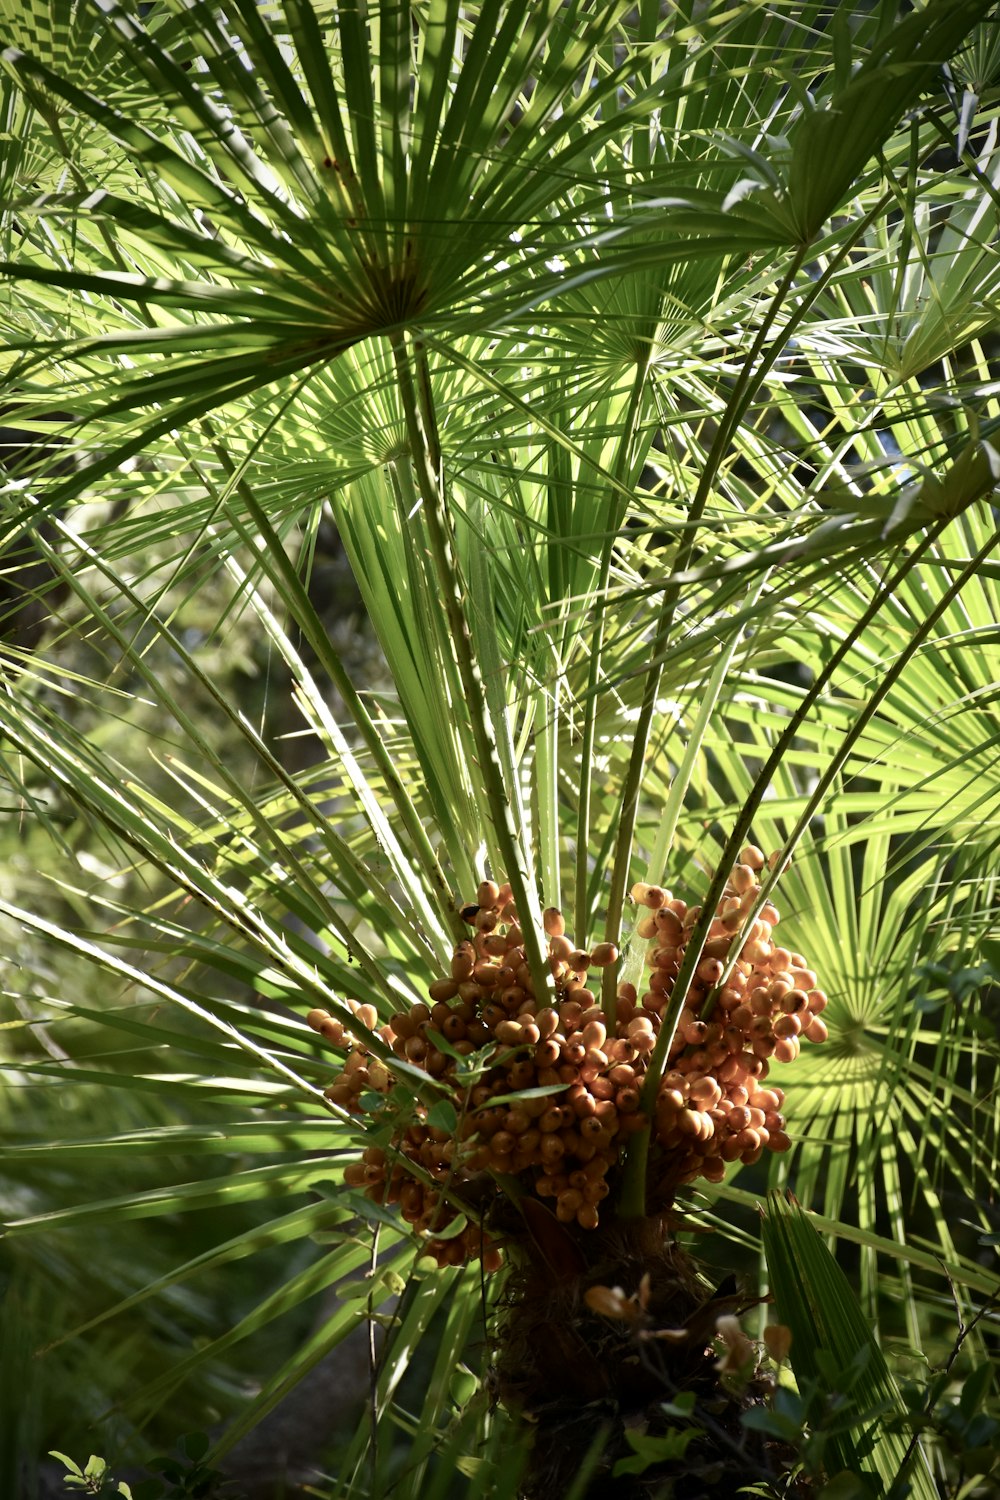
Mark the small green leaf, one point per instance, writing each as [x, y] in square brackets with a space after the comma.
[974, 1390]
[442, 1116]
[394, 1284]
[362, 1288]
[365, 1208]
[682, 1405]
[760, 1419]
[847, 1486]
[463, 1385]
[443, 1045]
[450, 1231]
[73, 1467]
[981, 1432]
[149, 1489]
[195, 1445]
[537, 1093]
[668, 1447]
[169, 1468]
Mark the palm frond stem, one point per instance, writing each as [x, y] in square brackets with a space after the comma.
[637, 1152]
[748, 381]
[430, 488]
[667, 826]
[621, 468]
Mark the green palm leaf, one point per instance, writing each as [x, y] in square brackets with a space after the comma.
[815, 1301]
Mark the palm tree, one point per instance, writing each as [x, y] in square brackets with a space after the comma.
[640, 358]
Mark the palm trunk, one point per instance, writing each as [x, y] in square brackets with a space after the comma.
[573, 1373]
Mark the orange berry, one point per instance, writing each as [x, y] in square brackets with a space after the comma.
[816, 1031]
[509, 1032]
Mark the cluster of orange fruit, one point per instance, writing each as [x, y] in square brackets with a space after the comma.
[542, 1090]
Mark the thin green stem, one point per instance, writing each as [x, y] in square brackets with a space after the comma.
[431, 489]
[547, 785]
[746, 385]
[453, 809]
[621, 469]
[656, 867]
[371, 1329]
